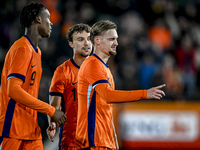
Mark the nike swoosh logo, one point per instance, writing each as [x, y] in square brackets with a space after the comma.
[74, 83]
[33, 66]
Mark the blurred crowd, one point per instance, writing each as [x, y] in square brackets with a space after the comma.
[159, 41]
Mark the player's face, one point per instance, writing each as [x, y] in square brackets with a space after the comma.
[108, 42]
[81, 44]
[45, 25]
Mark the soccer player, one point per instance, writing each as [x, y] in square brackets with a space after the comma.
[20, 81]
[96, 91]
[63, 89]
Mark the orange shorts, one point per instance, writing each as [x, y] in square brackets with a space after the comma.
[15, 144]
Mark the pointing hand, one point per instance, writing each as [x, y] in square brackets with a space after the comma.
[155, 92]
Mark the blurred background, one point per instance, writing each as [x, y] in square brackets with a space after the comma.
[159, 42]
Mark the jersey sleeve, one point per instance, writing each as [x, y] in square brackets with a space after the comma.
[117, 96]
[58, 83]
[19, 62]
[16, 92]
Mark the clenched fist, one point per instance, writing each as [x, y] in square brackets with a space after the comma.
[60, 117]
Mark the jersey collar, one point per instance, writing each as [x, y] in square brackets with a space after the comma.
[100, 60]
[31, 43]
[77, 66]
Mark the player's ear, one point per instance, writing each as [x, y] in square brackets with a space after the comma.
[38, 19]
[71, 44]
[96, 40]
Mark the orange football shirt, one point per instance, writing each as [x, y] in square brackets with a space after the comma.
[95, 95]
[64, 84]
[22, 61]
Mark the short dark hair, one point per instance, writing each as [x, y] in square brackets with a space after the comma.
[29, 13]
[79, 28]
[100, 27]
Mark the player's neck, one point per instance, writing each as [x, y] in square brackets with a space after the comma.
[33, 36]
[102, 55]
[78, 59]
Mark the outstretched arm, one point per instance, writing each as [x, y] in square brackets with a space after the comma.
[117, 96]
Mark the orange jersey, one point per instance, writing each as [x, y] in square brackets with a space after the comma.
[95, 95]
[64, 84]
[18, 121]
[94, 126]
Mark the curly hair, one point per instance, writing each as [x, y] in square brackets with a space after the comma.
[100, 27]
[79, 28]
[29, 13]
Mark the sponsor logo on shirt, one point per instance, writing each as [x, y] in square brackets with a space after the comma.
[32, 66]
[74, 83]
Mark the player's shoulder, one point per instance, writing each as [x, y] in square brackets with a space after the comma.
[91, 63]
[16, 44]
[67, 63]
[91, 60]
[20, 47]
[22, 44]
[64, 67]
